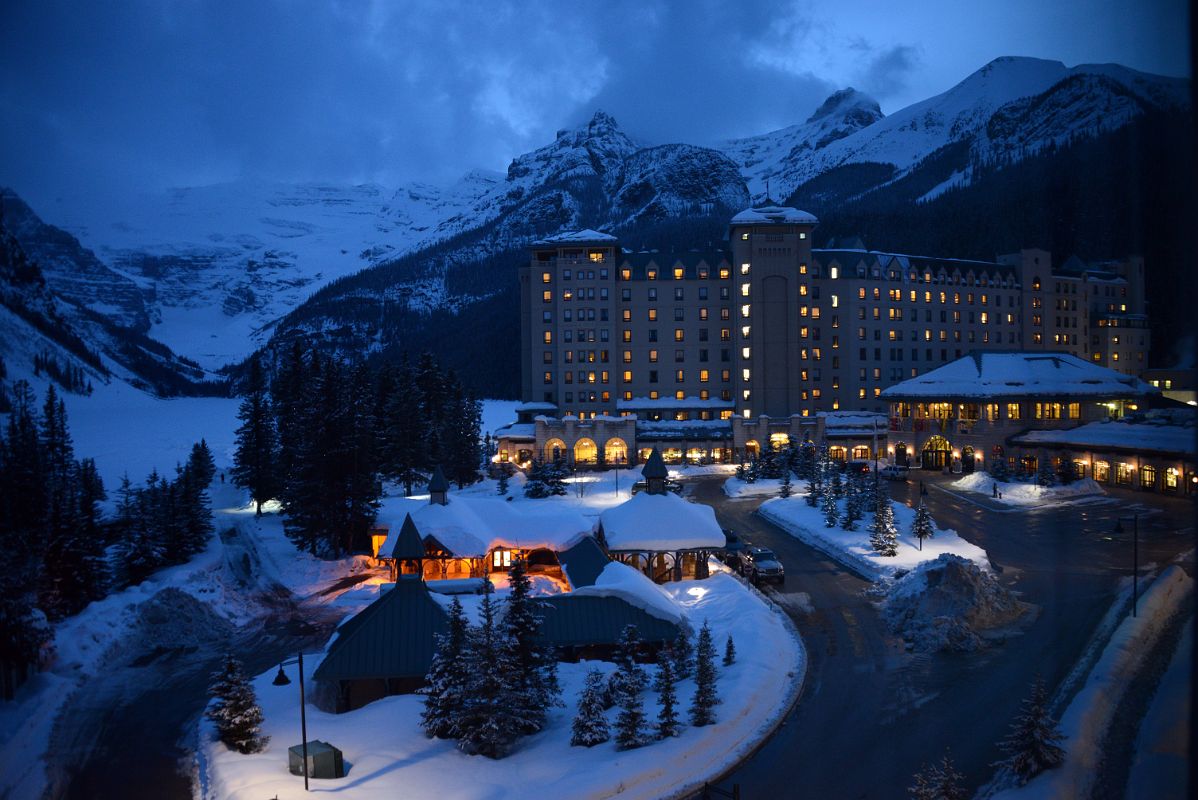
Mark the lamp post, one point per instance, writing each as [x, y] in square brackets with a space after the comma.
[1135, 556]
[282, 680]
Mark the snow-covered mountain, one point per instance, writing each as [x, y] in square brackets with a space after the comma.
[216, 271]
[1033, 102]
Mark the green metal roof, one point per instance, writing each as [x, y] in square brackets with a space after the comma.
[408, 545]
[437, 483]
[393, 637]
[573, 620]
[583, 562]
[655, 467]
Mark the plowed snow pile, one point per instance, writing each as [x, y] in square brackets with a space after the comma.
[948, 604]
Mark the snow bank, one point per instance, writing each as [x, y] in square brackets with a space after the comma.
[1085, 721]
[944, 604]
[762, 487]
[388, 755]
[852, 548]
[661, 522]
[1018, 493]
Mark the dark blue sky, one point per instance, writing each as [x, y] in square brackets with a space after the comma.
[106, 99]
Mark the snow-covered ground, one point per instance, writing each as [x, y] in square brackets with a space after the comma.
[1163, 746]
[1084, 723]
[762, 487]
[1026, 493]
[388, 755]
[852, 548]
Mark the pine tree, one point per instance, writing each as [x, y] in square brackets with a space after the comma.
[667, 698]
[729, 652]
[403, 428]
[488, 724]
[922, 528]
[590, 724]
[852, 505]
[683, 654]
[883, 536]
[828, 503]
[999, 470]
[447, 678]
[630, 724]
[255, 461]
[815, 484]
[784, 489]
[835, 483]
[234, 709]
[555, 478]
[702, 709]
[463, 435]
[534, 668]
[1033, 743]
[502, 486]
[629, 677]
[536, 486]
[202, 463]
[1045, 476]
[938, 781]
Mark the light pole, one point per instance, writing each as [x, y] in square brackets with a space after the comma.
[1135, 556]
[282, 680]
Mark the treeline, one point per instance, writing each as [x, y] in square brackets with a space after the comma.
[57, 552]
[70, 377]
[322, 436]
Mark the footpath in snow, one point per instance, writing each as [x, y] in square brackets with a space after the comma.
[1086, 721]
[388, 755]
[1021, 494]
[853, 549]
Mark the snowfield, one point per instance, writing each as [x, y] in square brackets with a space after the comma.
[852, 548]
[388, 756]
[1023, 495]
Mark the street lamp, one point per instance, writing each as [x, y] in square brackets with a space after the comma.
[1135, 556]
[282, 680]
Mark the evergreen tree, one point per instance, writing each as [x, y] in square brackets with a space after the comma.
[403, 457]
[255, 460]
[202, 463]
[729, 652]
[852, 505]
[463, 435]
[555, 478]
[590, 724]
[234, 709]
[938, 781]
[835, 483]
[630, 724]
[502, 486]
[667, 698]
[815, 485]
[683, 654]
[999, 470]
[447, 677]
[534, 668]
[828, 503]
[1032, 746]
[922, 528]
[488, 724]
[702, 709]
[784, 490]
[290, 393]
[1045, 475]
[629, 677]
[434, 408]
[139, 553]
[883, 536]
[536, 486]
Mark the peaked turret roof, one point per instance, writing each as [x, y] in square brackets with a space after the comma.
[655, 467]
[408, 545]
[437, 483]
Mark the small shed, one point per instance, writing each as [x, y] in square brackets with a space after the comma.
[324, 760]
[583, 563]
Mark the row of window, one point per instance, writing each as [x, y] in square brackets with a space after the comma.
[603, 376]
[972, 412]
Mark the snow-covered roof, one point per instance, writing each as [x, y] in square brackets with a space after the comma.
[471, 527]
[583, 236]
[660, 522]
[773, 214]
[840, 421]
[634, 587]
[536, 407]
[989, 375]
[1138, 435]
[671, 403]
[517, 430]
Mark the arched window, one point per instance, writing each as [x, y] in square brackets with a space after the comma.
[585, 452]
[615, 451]
[555, 449]
[752, 449]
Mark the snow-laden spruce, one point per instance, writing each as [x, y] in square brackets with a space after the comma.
[702, 709]
[234, 709]
[590, 724]
[1033, 745]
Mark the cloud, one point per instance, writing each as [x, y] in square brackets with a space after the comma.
[888, 72]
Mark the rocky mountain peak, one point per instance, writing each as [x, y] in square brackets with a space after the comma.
[851, 104]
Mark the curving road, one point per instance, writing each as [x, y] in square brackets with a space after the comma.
[871, 714]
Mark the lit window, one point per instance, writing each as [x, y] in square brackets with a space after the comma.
[834, 273]
[744, 352]
[744, 269]
[744, 311]
[548, 337]
[546, 277]
[744, 290]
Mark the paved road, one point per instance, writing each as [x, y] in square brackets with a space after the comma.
[871, 714]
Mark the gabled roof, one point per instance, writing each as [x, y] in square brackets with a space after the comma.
[773, 214]
[586, 235]
[407, 545]
[650, 522]
[990, 375]
[655, 467]
[578, 621]
[437, 483]
[583, 562]
[393, 637]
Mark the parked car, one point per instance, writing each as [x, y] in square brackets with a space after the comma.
[857, 466]
[671, 484]
[733, 547]
[760, 565]
[894, 472]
